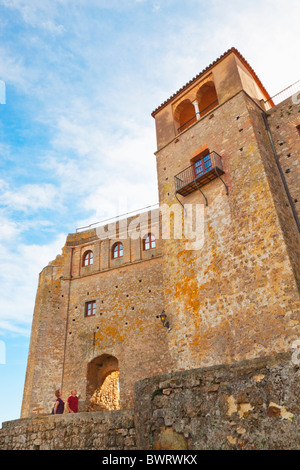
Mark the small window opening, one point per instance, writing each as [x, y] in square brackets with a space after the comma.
[88, 258]
[90, 309]
[117, 250]
[149, 242]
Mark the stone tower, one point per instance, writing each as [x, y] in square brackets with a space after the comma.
[237, 296]
[223, 149]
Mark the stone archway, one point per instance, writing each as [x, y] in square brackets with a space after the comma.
[103, 383]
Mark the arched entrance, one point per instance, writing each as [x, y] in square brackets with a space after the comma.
[103, 384]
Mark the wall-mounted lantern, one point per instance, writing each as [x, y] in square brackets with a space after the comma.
[164, 320]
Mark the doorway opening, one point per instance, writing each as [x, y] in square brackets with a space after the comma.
[103, 392]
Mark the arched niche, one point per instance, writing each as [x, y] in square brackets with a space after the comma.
[103, 391]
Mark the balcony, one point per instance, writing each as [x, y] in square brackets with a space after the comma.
[199, 174]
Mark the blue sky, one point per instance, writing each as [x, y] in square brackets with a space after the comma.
[76, 134]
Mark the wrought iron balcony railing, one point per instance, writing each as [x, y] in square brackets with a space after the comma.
[199, 173]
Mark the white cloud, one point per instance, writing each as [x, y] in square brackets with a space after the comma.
[30, 197]
[13, 70]
[20, 266]
[9, 228]
[37, 14]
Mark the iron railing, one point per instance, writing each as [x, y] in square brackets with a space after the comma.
[117, 218]
[187, 180]
[284, 94]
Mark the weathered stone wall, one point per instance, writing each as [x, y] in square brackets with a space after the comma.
[47, 343]
[110, 430]
[126, 326]
[276, 175]
[283, 120]
[247, 405]
[236, 297]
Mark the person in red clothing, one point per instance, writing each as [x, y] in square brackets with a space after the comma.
[72, 402]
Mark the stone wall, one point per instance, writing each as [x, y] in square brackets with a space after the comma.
[109, 430]
[247, 405]
[236, 297]
[283, 120]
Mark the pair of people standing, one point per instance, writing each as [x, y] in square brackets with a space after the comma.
[71, 405]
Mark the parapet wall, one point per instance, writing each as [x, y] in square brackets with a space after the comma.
[106, 430]
[247, 405]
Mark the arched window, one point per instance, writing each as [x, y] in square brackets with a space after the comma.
[207, 98]
[185, 115]
[149, 242]
[117, 250]
[88, 258]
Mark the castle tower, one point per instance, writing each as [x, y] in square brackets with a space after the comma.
[225, 152]
[236, 296]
